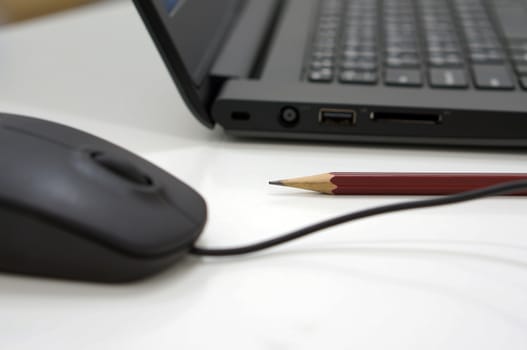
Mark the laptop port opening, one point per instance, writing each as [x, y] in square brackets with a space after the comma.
[407, 118]
[240, 116]
[335, 116]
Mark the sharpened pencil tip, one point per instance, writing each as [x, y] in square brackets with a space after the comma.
[276, 183]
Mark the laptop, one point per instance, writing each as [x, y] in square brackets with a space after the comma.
[443, 72]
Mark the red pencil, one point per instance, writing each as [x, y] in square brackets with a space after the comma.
[399, 183]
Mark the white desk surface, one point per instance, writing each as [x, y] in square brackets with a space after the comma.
[448, 278]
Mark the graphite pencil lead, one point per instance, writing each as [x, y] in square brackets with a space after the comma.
[276, 183]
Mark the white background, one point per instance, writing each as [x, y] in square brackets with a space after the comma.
[445, 278]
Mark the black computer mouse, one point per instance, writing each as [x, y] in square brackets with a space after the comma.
[75, 206]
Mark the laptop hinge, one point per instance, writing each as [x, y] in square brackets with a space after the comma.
[248, 38]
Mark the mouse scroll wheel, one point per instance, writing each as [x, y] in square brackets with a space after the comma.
[122, 169]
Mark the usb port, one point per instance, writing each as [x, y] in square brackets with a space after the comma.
[337, 116]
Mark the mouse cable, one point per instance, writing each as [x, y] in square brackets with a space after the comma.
[500, 189]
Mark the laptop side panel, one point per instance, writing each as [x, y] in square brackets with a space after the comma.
[375, 114]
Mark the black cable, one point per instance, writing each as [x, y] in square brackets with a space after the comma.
[504, 188]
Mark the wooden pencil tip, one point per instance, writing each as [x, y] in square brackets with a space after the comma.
[276, 183]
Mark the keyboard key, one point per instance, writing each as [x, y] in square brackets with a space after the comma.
[518, 46]
[320, 64]
[396, 62]
[403, 77]
[410, 47]
[438, 48]
[487, 57]
[359, 65]
[323, 55]
[448, 78]
[521, 69]
[523, 82]
[492, 77]
[520, 59]
[476, 46]
[359, 47]
[397, 50]
[442, 60]
[356, 77]
[366, 55]
[321, 76]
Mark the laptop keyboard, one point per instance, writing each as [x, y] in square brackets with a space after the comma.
[450, 44]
